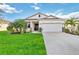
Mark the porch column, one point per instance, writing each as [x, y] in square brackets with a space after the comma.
[32, 26]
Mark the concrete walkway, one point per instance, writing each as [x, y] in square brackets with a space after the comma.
[61, 43]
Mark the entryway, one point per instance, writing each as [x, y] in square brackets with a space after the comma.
[36, 27]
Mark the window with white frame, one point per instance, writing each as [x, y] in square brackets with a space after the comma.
[28, 25]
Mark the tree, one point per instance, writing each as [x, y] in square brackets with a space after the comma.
[71, 22]
[10, 27]
[78, 26]
[21, 25]
[18, 26]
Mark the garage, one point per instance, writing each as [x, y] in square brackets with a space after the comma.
[52, 27]
[51, 24]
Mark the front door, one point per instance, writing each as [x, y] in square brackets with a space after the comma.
[36, 27]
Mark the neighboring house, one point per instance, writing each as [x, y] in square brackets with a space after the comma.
[3, 25]
[46, 23]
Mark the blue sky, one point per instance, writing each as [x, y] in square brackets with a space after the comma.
[14, 11]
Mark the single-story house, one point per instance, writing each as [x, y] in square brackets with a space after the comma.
[3, 25]
[48, 23]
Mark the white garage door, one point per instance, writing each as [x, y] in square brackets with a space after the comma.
[51, 27]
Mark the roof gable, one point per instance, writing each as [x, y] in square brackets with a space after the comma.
[37, 16]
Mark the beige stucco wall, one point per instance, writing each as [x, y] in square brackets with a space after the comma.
[43, 22]
[31, 24]
[50, 22]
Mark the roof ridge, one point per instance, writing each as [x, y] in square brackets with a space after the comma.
[52, 16]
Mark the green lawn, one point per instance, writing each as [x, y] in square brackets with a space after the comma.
[21, 44]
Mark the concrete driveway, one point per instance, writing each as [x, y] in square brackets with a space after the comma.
[61, 43]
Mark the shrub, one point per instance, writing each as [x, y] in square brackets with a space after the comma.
[10, 28]
[15, 32]
[17, 26]
[40, 29]
[66, 30]
[77, 32]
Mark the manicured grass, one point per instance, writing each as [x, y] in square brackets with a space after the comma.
[21, 44]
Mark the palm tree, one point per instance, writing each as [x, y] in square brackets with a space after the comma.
[18, 26]
[78, 26]
[71, 22]
[21, 25]
[10, 28]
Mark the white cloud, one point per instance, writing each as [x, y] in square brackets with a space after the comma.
[73, 14]
[8, 9]
[36, 7]
[60, 13]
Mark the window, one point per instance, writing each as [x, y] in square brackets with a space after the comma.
[28, 25]
[39, 16]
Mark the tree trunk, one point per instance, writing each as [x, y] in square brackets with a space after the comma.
[72, 29]
[21, 30]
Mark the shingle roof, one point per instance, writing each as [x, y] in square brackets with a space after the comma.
[51, 17]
